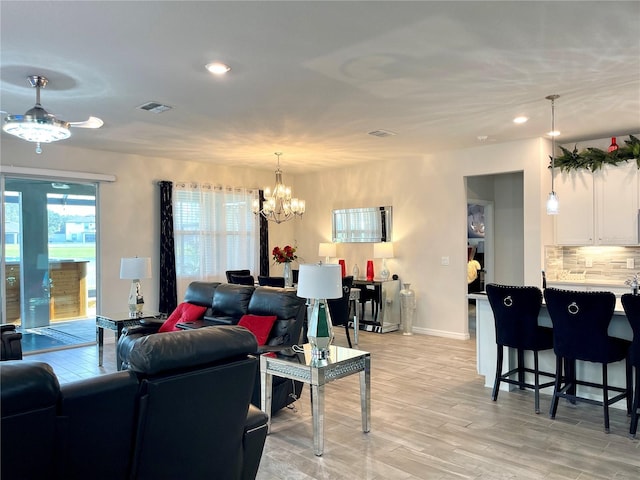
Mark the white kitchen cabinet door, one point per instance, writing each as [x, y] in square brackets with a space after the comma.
[574, 225]
[616, 200]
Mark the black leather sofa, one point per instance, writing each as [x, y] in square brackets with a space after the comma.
[182, 410]
[226, 304]
[10, 342]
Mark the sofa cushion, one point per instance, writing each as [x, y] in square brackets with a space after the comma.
[231, 300]
[185, 312]
[259, 325]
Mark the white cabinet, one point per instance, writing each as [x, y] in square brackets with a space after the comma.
[598, 208]
[616, 201]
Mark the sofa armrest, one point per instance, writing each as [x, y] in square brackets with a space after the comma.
[145, 329]
[255, 434]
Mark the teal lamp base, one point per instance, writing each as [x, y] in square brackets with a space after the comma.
[320, 333]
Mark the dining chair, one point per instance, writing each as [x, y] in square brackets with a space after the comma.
[265, 281]
[339, 308]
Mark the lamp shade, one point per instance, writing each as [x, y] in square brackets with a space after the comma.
[320, 281]
[134, 268]
[383, 250]
[327, 250]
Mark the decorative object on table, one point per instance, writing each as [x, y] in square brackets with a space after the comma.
[317, 283]
[407, 308]
[135, 268]
[355, 272]
[553, 206]
[383, 250]
[370, 273]
[614, 146]
[278, 205]
[327, 250]
[39, 126]
[343, 266]
[633, 282]
[285, 256]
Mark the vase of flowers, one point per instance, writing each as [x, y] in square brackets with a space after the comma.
[285, 256]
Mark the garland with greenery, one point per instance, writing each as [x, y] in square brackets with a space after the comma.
[594, 159]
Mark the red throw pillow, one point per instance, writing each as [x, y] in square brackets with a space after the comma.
[259, 325]
[185, 312]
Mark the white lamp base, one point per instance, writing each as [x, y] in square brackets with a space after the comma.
[384, 274]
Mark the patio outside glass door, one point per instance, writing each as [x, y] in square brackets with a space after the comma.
[49, 239]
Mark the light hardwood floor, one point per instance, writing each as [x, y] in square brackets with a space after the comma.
[432, 418]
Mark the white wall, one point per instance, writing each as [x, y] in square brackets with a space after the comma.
[129, 217]
[427, 194]
[429, 220]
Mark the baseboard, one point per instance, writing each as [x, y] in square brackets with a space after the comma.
[441, 333]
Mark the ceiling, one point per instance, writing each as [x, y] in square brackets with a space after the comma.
[311, 79]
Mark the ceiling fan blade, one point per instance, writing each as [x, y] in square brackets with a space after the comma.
[92, 122]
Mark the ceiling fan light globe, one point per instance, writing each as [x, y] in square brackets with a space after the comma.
[36, 128]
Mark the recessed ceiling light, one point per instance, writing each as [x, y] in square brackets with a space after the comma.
[555, 133]
[218, 68]
[520, 120]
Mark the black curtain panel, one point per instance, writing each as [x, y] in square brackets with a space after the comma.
[264, 240]
[168, 296]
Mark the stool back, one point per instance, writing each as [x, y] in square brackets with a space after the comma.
[515, 311]
[580, 322]
[631, 305]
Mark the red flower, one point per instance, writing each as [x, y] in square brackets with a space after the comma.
[284, 255]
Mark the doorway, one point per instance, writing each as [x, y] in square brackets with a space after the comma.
[49, 261]
[502, 198]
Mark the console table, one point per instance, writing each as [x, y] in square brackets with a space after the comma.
[342, 362]
[387, 296]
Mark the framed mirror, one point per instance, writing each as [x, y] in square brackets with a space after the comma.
[353, 225]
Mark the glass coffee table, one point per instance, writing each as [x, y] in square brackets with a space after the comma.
[342, 363]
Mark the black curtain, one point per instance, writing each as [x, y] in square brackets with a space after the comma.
[168, 296]
[264, 240]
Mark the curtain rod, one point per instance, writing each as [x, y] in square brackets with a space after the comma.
[62, 174]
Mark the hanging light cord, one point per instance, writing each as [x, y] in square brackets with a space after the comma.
[553, 140]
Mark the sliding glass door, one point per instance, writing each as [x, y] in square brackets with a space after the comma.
[49, 252]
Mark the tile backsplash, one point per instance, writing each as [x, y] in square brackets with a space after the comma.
[591, 264]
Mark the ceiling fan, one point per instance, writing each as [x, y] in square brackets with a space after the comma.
[39, 126]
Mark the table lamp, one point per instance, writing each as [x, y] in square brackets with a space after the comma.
[135, 268]
[327, 250]
[383, 250]
[317, 283]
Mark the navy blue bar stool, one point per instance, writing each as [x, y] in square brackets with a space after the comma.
[580, 323]
[515, 311]
[631, 305]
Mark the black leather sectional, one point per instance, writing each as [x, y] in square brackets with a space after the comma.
[181, 410]
[226, 304]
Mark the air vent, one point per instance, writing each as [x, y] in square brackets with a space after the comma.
[382, 133]
[154, 107]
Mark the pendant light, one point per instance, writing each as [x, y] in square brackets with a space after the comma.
[553, 206]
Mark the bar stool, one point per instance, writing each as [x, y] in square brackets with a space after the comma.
[580, 322]
[515, 311]
[631, 305]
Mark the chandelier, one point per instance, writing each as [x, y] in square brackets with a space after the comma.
[553, 206]
[278, 206]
